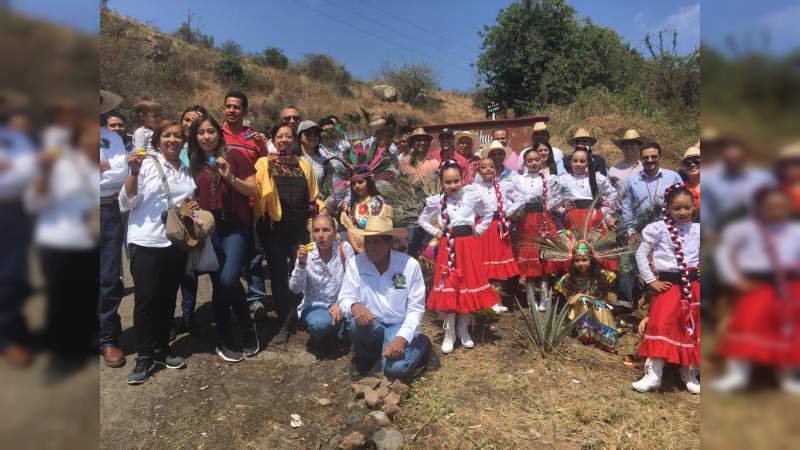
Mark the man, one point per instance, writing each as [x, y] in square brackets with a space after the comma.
[114, 172]
[642, 199]
[402, 146]
[498, 153]
[383, 298]
[500, 134]
[630, 144]
[583, 137]
[539, 133]
[447, 150]
[254, 146]
[116, 123]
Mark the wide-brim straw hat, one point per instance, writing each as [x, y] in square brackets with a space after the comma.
[790, 152]
[539, 126]
[691, 152]
[108, 101]
[495, 145]
[380, 225]
[419, 133]
[631, 135]
[467, 134]
[582, 133]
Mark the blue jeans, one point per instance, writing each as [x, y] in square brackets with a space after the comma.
[110, 266]
[370, 340]
[320, 323]
[231, 247]
[188, 296]
[256, 291]
[14, 288]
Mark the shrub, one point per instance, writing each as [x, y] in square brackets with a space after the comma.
[272, 57]
[547, 333]
[413, 81]
[231, 49]
[230, 70]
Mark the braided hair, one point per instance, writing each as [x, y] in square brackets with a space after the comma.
[670, 194]
[447, 233]
[589, 167]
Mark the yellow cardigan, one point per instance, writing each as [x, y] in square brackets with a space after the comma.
[267, 200]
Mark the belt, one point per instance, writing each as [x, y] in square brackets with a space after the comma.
[586, 204]
[496, 215]
[461, 231]
[675, 277]
[533, 207]
[108, 200]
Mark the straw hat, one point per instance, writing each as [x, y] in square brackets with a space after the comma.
[630, 136]
[419, 133]
[108, 101]
[790, 152]
[380, 225]
[582, 133]
[467, 134]
[539, 126]
[495, 145]
[691, 151]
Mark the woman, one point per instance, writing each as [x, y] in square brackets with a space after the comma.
[690, 173]
[309, 133]
[465, 145]
[64, 196]
[545, 151]
[156, 264]
[188, 117]
[287, 198]
[365, 200]
[225, 181]
[318, 275]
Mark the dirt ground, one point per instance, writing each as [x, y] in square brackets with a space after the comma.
[502, 394]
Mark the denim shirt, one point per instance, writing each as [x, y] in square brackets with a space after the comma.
[643, 193]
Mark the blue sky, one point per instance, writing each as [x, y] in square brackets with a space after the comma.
[363, 34]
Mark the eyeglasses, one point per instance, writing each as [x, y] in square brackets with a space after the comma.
[291, 118]
[689, 162]
[650, 158]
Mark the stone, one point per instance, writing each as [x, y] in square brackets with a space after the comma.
[358, 389]
[385, 93]
[372, 398]
[388, 439]
[379, 418]
[353, 441]
[370, 382]
[391, 408]
[399, 388]
[355, 417]
[324, 401]
[385, 383]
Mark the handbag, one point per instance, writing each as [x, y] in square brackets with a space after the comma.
[202, 259]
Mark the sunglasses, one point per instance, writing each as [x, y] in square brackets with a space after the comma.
[689, 162]
[650, 158]
[291, 118]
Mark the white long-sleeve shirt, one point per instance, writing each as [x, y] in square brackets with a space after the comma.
[16, 150]
[511, 197]
[657, 240]
[462, 209]
[143, 138]
[319, 282]
[112, 149]
[395, 297]
[529, 188]
[145, 227]
[578, 187]
[742, 249]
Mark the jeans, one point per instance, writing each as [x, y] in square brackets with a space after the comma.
[188, 296]
[14, 287]
[320, 323]
[256, 290]
[370, 340]
[629, 289]
[280, 242]
[231, 247]
[110, 266]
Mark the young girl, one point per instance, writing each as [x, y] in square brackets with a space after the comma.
[759, 256]
[671, 333]
[364, 201]
[585, 288]
[460, 285]
[536, 197]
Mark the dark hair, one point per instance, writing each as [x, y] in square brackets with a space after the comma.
[145, 106]
[589, 167]
[650, 145]
[551, 162]
[449, 164]
[110, 114]
[671, 195]
[499, 129]
[167, 123]
[326, 121]
[765, 191]
[197, 159]
[240, 96]
[196, 108]
[595, 273]
[372, 189]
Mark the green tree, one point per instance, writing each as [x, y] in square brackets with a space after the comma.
[231, 49]
[273, 57]
[230, 70]
[412, 81]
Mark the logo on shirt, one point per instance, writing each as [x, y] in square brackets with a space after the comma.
[105, 144]
[399, 281]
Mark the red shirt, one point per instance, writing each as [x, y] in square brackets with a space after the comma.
[240, 143]
[226, 197]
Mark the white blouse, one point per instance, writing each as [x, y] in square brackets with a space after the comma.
[462, 210]
[577, 187]
[657, 240]
[742, 249]
[319, 282]
[145, 227]
[530, 189]
[511, 197]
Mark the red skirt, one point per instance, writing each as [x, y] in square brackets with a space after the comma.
[575, 220]
[467, 289]
[763, 328]
[498, 256]
[666, 336]
[529, 257]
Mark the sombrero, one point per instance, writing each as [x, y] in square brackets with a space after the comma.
[419, 133]
[630, 136]
[495, 145]
[380, 225]
[582, 133]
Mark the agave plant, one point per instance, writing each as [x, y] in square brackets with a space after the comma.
[548, 332]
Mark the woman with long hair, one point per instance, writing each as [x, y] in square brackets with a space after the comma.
[365, 200]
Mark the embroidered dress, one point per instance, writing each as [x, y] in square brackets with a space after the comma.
[534, 222]
[499, 197]
[597, 327]
[357, 216]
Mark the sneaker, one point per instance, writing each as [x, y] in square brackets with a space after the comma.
[142, 371]
[228, 355]
[257, 310]
[168, 360]
[250, 344]
[499, 308]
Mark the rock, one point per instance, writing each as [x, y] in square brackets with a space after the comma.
[358, 389]
[355, 417]
[325, 401]
[379, 418]
[388, 439]
[385, 383]
[353, 440]
[399, 388]
[370, 382]
[391, 408]
[372, 398]
[385, 93]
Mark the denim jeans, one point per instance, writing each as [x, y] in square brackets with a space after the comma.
[320, 323]
[231, 247]
[110, 266]
[14, 287]
[629, 288]
[256, 290]
[188, 296]
[370, 340]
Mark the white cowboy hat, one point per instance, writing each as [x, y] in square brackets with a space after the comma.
[495, 145]
[108, 101]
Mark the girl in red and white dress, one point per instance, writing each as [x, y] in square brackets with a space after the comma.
[759, 256]
[537, 193]
[460, 286]
[497, 190]
[671, 333]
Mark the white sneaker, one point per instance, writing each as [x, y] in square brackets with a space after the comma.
[499, 308]
[790, 380]
[652, 376]
[689, 379]
[462, 330]
[449, 333]
[736, 378]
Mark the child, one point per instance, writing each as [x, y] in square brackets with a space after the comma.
[364, 200]
[537, 192]
[671, 333]
[586, 287]
[499, 196]
[759, 256]
[460, 285]
[149, 113]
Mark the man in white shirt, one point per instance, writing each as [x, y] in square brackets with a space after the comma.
[539, 133]
[383, 297]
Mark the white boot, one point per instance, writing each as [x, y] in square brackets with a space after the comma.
[790, 380]
[736, 378]
[499, 308]
[449, 333]
[651, 380]
[462, 330]
[689, 378]
[544, 299]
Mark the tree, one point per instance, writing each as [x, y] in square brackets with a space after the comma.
[326, 69]
[192, 35]
[230, 70]
[273, 57]
[231, 49]
[412, 81]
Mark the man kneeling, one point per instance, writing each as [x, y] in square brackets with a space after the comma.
[383, 296]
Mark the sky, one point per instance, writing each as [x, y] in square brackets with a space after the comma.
[363, 34]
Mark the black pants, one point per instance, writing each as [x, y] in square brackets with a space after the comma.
[280, 241]
[157, 273]
[72, 301]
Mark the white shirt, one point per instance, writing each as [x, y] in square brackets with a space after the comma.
[112, 149]
[529, 188]
[577, 187]
[558, 158]
[618, 174]
[17, 150]
[62, 213]
[656, 239]
[462, 210]
[320, 282]
[143, 138]
[145, 227]
[510, 196]
[742, 249]
[395, 297]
